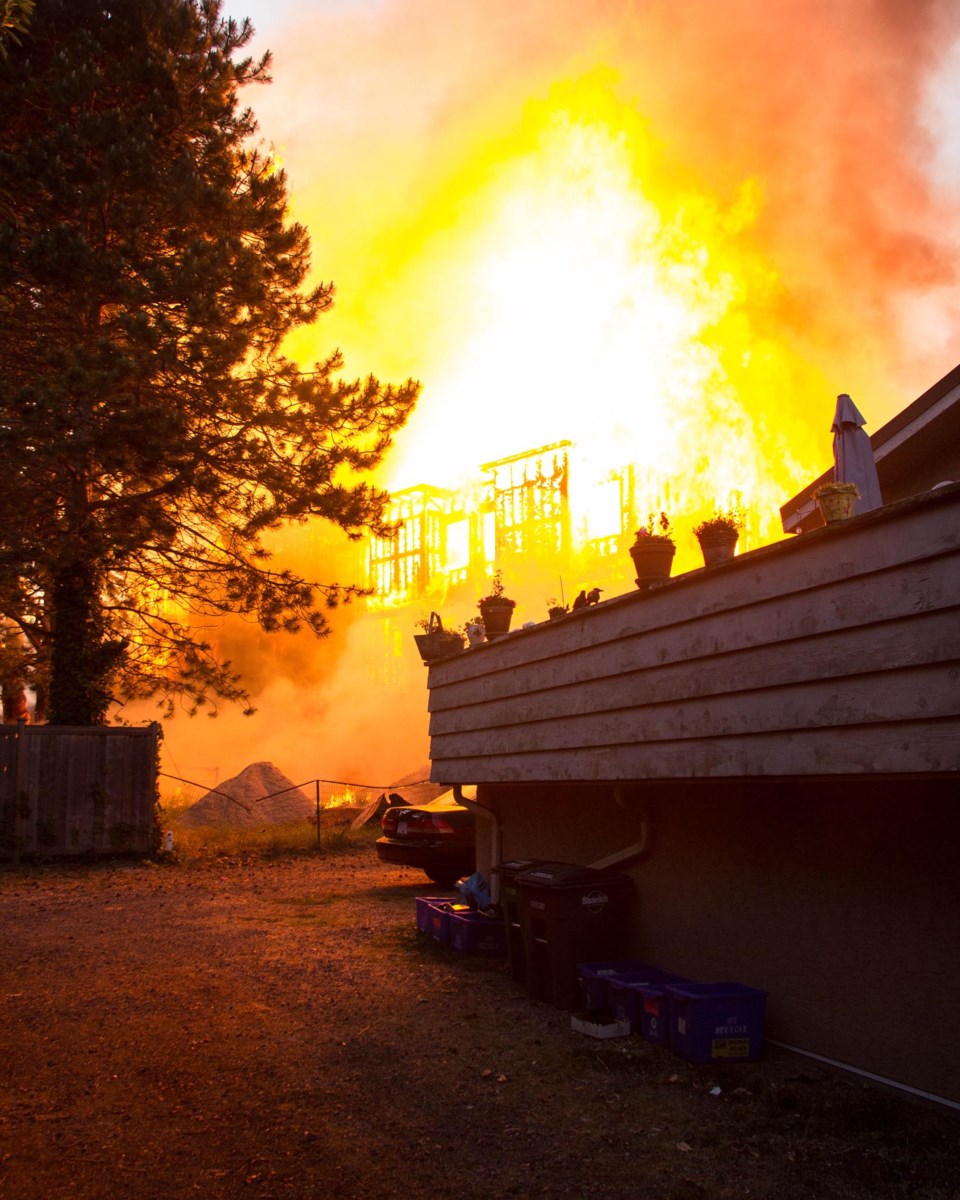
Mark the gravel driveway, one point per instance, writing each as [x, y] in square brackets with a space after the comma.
[273, 1028]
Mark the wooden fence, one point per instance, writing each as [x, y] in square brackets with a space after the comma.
[68, 790]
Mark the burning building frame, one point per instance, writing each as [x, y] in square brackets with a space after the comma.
[531, 493]
[537, 514]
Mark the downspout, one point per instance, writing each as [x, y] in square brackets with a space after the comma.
[633, 853]
[488, 814]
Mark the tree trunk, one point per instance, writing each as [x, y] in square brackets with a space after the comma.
[82, 662]
[12, 679]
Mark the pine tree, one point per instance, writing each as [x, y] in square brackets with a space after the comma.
[14, 21]
[151, 429]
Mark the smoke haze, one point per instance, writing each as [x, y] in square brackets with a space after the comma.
[772, 190]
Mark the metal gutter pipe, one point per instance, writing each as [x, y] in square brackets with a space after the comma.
[636, 850]
[488, 814]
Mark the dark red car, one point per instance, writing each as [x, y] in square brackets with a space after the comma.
[437, 837]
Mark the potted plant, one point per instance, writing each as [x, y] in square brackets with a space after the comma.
[555, 610]
[496, 609]
[653, 551]
[719, 534]
[435, 642]
[836, 500]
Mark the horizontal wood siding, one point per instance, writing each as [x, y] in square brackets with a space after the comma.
[66, 791]
[837, 652]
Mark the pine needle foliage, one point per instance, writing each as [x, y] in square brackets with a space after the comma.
[151, 429]
[14, 22]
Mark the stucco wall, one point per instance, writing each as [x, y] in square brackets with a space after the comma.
[841, 899]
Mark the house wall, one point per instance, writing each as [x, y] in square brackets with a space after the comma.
[841, 898]
[784, 733]
[835, 653]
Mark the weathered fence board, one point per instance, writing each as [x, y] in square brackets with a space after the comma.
[70, 791]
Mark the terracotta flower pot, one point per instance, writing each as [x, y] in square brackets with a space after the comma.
[652, 559]
[717, 544]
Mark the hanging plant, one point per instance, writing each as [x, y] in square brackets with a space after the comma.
[836, 500]
[435, 642]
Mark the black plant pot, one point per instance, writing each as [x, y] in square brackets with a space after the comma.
[497, 615]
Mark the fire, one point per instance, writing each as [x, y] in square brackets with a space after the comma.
[601, 302]
[339, 796]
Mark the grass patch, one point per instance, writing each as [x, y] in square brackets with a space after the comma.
[195, 842]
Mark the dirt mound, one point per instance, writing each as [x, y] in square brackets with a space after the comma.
[250, 799]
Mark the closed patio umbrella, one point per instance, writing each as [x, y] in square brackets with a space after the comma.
[853, 460]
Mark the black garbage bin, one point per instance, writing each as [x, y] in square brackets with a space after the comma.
[570, 914]
[507, 873]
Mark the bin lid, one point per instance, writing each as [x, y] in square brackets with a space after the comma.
[690, 990]
[565, 875]
[514, 865]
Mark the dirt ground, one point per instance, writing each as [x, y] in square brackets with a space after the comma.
[273, 1027]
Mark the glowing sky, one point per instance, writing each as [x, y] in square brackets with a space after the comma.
[626, 223]
[416, 137]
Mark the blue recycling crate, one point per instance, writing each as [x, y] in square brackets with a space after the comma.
[426, 920]
[471, 932]
[653, 1013]
[716, 1022]
[433, 917]
[626, 993]
[595, 978]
